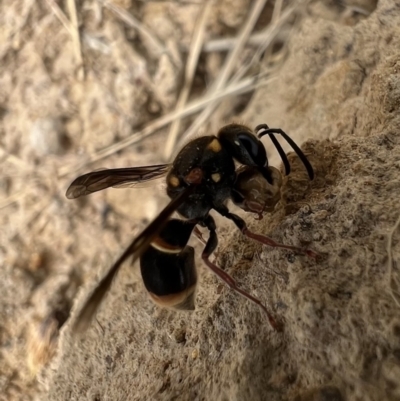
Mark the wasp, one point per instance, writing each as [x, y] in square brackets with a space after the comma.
[205, 174]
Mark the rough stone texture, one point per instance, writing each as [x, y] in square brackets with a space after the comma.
[341, 336]
[339, 88]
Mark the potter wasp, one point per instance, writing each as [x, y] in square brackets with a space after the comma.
[203, 176]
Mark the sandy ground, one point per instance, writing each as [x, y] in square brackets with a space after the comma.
[336, 86]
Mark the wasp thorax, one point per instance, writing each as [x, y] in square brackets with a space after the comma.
[202, 161]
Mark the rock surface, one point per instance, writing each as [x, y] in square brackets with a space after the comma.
[337, 92]
[340, 85]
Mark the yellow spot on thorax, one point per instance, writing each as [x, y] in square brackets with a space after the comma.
[214, 145]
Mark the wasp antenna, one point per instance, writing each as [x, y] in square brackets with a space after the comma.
[281, 152]
[289, 140]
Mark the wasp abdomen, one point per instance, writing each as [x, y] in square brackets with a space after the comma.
[168, 267]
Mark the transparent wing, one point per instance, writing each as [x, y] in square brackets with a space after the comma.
[118, 177]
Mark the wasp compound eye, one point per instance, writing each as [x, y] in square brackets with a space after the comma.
[244, 146]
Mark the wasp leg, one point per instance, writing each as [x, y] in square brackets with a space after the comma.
[208, 250]
[199, 235]
[263, 239]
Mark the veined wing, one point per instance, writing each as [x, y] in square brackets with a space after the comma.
[117, 177]
[134, 250]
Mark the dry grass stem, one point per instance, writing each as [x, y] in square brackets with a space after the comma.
[192, 61]
[16, 161]
[243, 36]
[25, 12]
[275, 17]
[61, 16]
[134, 23]
[230, 63]
[226, 44]
[15, 197]
[277, 11]
[268, 37]
[76, 37]
[72, 28]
